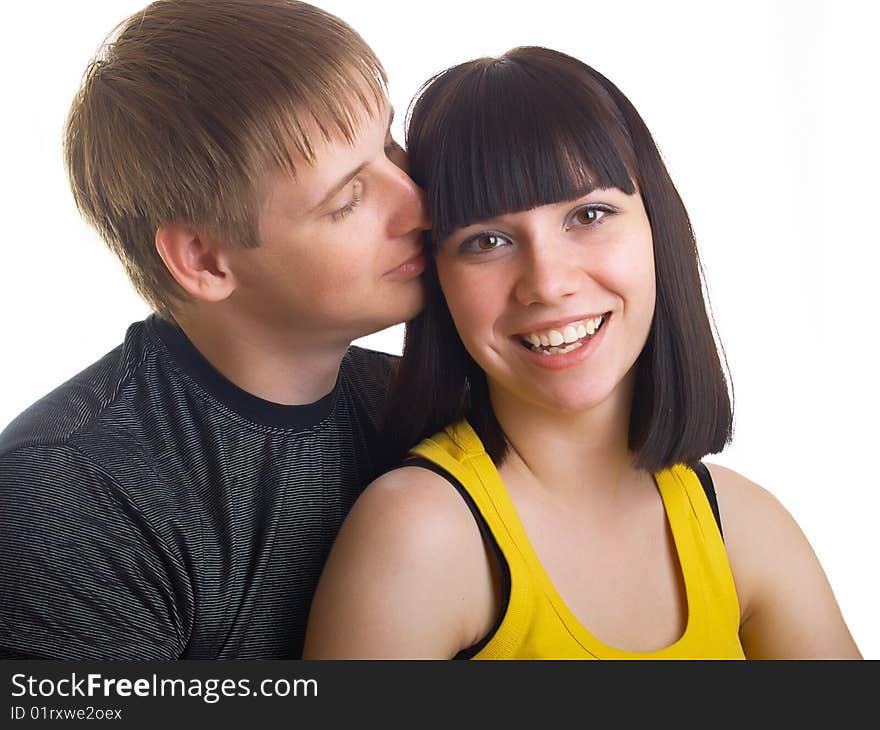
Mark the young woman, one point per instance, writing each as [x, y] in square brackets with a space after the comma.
[564, 385]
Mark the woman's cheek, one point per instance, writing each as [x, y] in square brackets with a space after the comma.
[473, 300]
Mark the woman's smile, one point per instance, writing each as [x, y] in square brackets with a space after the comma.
[559, 339]
[579, 343]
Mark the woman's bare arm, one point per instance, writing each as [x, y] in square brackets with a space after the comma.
[788, 609]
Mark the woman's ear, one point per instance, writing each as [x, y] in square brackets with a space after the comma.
[199, 264]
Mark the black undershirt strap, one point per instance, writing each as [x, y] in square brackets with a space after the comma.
[709, 488]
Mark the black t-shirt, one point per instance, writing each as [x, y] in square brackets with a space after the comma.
[150, 509]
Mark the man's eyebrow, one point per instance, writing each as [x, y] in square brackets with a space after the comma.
[347, 178]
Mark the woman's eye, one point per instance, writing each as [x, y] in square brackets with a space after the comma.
[484, 242]
[589, 215]
[488, 242]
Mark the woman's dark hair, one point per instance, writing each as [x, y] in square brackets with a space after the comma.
[533, 127]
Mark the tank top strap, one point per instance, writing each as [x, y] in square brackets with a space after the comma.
[699, 542]
[460, 452]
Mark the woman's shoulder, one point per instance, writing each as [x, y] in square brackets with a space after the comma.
[741, 493]
[418, 507]
[751, 515]
[787, 606]
[752, 519]
[748, 509]
[405, 575]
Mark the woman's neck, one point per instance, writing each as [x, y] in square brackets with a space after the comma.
[578, 455]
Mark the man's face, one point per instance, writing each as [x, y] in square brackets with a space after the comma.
[340, 252]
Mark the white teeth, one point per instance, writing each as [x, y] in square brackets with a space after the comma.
[563, 350]
[571, 336]
[556, 338]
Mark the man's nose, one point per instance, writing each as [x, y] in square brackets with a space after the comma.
[409, 203]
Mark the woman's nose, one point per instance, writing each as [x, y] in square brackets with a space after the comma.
[548, 274]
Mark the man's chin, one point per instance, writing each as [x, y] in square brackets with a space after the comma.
[416, 306]
[401, 315]
[408, 306]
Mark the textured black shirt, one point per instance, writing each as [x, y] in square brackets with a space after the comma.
[150, 509]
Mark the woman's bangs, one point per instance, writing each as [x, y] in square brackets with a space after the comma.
[517, 144]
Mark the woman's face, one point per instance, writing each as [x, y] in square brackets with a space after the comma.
[554, 303]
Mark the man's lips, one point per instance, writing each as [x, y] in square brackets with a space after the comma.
[409, 268]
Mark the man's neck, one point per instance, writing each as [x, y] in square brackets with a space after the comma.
[280, 367]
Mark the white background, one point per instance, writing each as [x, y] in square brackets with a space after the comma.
[766, 114]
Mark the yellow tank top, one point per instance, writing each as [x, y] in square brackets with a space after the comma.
[536, 623]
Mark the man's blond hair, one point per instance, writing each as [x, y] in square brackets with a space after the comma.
[188, 106]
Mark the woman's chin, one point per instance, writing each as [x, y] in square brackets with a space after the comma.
[569, 401]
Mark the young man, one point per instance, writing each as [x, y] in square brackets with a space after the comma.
[178, 498]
